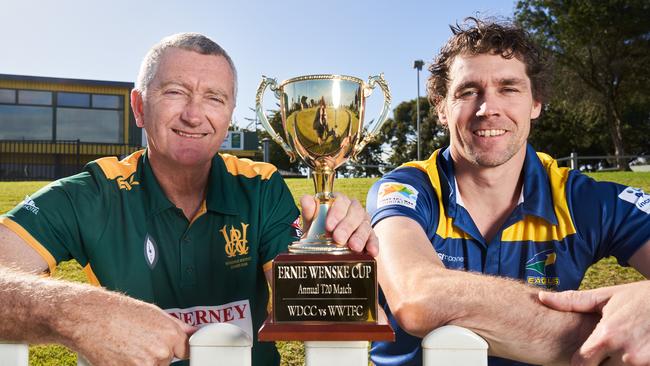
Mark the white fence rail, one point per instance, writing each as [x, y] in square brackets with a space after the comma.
[226, 344]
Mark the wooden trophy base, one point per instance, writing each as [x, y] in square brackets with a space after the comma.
[318, 283]
[379, 331]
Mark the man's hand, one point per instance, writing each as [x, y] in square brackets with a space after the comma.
[623, 333]
[117, 330]
[347, 220]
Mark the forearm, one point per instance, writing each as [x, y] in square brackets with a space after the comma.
[506, 313]
[38, 310]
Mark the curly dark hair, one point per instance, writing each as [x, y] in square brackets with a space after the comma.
[495, 38]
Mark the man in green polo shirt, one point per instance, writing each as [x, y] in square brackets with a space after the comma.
[175, 225]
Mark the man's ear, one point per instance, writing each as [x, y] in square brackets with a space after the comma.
[442, 114]
[137, 106]
[536, 110]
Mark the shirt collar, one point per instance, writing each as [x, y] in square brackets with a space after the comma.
[220, 196]
[156, 199]
[221, 188]
[535, 199]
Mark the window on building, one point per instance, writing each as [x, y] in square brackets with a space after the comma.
[107, 101]
[19, 122]
[89, 125]
[73, 99]
[34, 97]
[44, 115]
[8, 96]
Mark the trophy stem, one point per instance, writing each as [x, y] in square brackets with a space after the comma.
[324, 184]
[318, 239]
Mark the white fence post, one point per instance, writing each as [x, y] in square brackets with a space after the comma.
[350, 353]
[81, 361]
[454, 346]
[13, 354]
[220, 344]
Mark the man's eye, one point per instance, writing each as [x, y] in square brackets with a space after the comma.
[217, 99]
[467, 93]
[510, 90]
[173, 92]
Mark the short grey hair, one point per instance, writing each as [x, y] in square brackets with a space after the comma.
[186, 41]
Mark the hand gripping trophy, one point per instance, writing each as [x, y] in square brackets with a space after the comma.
[320, 283]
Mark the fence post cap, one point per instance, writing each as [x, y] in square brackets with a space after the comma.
[453, 337]
[221, 334]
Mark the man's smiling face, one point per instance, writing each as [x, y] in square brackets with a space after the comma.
[488, 108]
[187, 107]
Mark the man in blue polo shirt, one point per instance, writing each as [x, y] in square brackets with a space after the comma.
[469, 236]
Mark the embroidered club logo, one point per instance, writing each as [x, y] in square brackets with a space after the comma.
[150, 251]
[542, 269]
[30, 205]
[637, 197]
[397, 194]
[236, 243]
[127, 183]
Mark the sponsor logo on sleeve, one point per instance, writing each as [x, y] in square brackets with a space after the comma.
[296, 228]
[237, 313]
[391, 193]
[30, 205]
[637, 197]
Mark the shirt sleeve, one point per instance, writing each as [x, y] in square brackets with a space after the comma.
[48, 220]
[404, 192]
[280, 219]
[614, 218]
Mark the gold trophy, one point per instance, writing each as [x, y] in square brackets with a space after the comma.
[320, 283]
[322, 118]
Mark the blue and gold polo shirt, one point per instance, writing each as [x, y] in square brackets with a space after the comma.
[564, 222]
[115, 220]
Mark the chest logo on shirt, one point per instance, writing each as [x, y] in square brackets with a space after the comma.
[236, 243]
[127, 183]
[540, 270]
[391, 193]
[637, 197]
[150, 251]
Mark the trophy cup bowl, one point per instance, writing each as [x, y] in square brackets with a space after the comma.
[323, 123]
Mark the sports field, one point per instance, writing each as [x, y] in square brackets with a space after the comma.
[605, 272]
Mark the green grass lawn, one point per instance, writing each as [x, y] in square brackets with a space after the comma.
[605, 272]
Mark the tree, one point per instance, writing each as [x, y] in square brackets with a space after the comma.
[400, 132]
[604, 49]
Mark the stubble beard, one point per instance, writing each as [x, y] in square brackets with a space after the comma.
[491, 159]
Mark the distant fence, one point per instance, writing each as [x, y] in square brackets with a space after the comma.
[597, 162]
[226, 344]
[49, 160]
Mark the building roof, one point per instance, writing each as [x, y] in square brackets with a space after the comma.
[43, 79]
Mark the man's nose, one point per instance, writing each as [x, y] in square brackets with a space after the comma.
[193, 112]
[489, 106]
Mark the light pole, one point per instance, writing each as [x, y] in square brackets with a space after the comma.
[417, 64]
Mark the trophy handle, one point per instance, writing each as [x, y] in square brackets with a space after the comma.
[259, 98]
[372, 82]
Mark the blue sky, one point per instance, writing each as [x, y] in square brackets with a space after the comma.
[106, 40]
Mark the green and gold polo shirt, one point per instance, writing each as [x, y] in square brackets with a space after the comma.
[115, 220]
